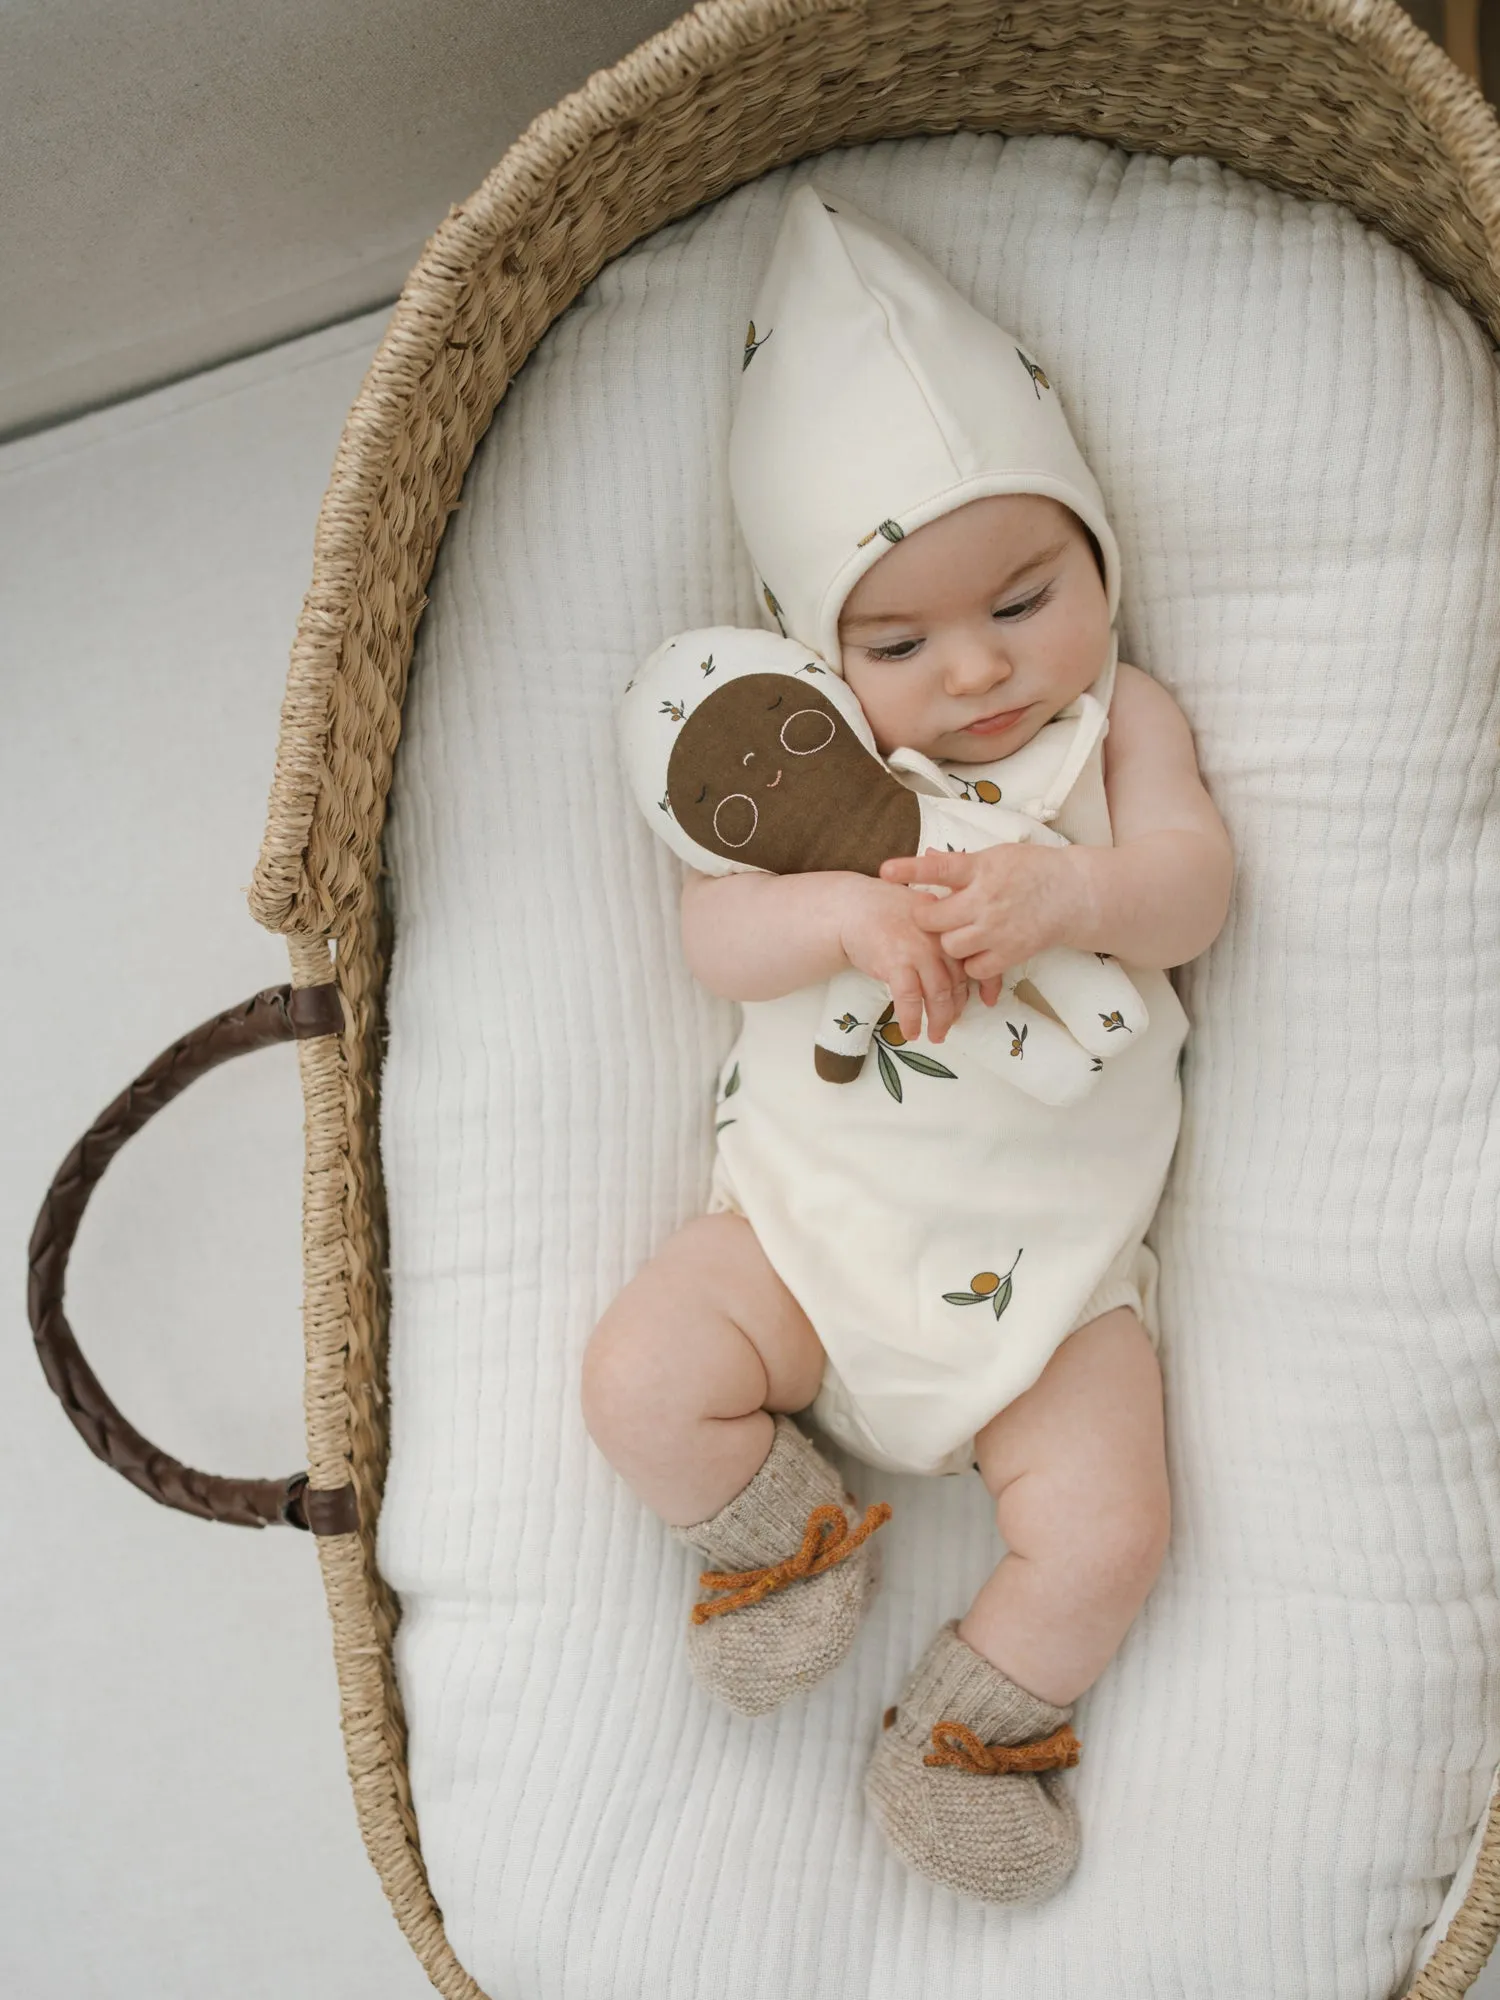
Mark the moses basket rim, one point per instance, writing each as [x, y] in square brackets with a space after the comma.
[1343, 100]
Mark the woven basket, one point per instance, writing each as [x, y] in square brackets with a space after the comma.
[1337, 99]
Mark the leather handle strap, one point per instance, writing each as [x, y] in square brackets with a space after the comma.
[279, 1014]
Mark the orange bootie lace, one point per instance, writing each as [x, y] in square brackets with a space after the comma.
[956, 1745]
[827, 1541]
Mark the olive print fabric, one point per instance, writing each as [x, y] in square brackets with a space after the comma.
[767, 771]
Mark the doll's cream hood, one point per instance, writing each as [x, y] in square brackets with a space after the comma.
[874, 398]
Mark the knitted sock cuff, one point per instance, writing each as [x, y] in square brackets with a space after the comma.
[766, 1521]
[954, 1683]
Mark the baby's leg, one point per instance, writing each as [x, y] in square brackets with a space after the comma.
[684, 1366]
[1077, 1466]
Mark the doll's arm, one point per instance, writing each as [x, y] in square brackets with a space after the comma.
[851, 1013]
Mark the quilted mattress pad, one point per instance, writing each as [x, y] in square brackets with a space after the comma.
[1285, 1765]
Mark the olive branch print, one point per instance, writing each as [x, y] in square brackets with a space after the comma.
[984, 789]
[892, 530]
[986, 1285]
[891, 1047]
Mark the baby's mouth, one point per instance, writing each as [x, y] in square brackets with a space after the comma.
[994, 725]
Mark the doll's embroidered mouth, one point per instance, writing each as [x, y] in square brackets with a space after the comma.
[774, 782]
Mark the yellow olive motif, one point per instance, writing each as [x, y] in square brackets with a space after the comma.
[985, 1282]
[987, 790]
[892, 1036]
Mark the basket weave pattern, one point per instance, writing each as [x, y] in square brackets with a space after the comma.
[1338, 99]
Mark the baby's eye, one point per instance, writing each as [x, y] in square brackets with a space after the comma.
[1011, 612]
[902, 650]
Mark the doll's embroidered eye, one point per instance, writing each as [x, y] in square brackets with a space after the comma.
[728, 821]
[807, 731]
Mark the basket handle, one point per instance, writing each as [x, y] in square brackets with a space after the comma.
[278, 1014]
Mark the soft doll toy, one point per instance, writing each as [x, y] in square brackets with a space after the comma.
[746, 754]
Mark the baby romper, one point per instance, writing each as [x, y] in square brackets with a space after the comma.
[943, 1242]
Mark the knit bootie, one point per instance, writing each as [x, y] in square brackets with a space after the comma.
[795, 1579]
[958, 1807]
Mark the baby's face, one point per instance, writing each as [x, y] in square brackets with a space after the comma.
[971, 633]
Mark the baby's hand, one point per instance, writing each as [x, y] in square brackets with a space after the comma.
[1007, 903]
[882, 936]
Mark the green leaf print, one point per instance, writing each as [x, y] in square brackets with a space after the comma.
[891, 1047]
[752, 345]
[924, 1065]
[888, 1074]
[734, 1081]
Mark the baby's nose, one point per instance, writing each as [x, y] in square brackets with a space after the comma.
[972, 669]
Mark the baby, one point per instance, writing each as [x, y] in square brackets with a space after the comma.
[939, 1270]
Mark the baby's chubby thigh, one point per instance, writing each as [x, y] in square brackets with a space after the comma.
[686, 1361]
[1077, 1467]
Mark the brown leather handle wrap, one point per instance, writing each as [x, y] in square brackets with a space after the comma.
[279, 1014]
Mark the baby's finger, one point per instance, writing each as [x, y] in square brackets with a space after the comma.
[951, 868]
[945, 987]
[907, 996]
[989, 990]
[963, 943]
[936, 913]
[989, 969]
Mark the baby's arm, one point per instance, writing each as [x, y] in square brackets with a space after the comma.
[756, 937]
[1158, 897]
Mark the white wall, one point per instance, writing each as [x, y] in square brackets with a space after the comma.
[190, 179]
[177, 1817]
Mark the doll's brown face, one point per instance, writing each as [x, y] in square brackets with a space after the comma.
[766, 770]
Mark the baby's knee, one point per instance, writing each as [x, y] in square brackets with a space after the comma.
[621, 1373]
[1108, 1543]
[1124, 1554]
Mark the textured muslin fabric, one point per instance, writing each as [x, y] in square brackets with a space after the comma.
[1284, 1766]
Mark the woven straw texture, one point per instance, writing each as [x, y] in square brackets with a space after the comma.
[1336, 99]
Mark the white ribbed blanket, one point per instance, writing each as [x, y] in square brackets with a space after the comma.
[1297, 439]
